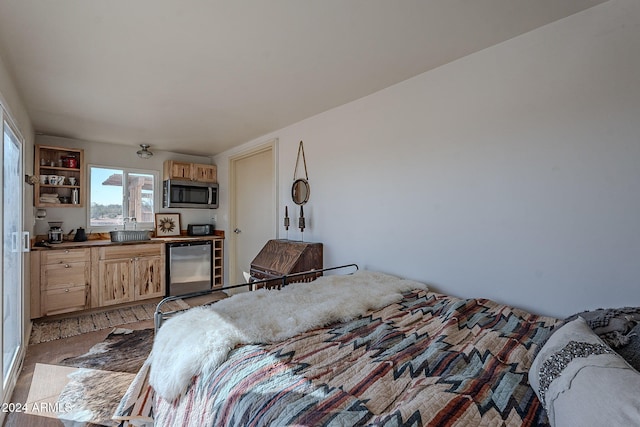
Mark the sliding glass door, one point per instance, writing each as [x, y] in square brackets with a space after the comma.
[14, 243]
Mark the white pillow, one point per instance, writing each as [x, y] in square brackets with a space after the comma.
[581, 381]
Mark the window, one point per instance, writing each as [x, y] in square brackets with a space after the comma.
[117, 194]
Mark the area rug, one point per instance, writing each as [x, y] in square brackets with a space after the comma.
[124, 350]
[88, 389]
[50, 330]
[47, 383]
[76, 396]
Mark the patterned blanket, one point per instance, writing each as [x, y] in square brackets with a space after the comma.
[430, 360]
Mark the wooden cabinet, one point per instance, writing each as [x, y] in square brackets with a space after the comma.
[65, 280]
[127, 273]
[204, 173]
[115, 284]
[67, 166]
[148, 276]
[177, 170]
[174, 169]
[62, 278]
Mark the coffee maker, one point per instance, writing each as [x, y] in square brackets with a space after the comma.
[55, 231]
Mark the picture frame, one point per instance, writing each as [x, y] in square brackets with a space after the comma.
[167, 224]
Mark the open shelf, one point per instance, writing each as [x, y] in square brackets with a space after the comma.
[53, 161]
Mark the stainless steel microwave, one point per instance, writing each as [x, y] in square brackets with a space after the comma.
[189, 194]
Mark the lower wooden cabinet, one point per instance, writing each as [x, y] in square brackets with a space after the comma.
[148, 277]
[61, 279]
[75, 279]
[127, 273]
[115, 285]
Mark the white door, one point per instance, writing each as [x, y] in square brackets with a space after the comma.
[14, 243]
[253, 207]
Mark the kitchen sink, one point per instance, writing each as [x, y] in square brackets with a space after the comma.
[130, 235]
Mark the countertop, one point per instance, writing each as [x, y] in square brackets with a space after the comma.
[92, 243]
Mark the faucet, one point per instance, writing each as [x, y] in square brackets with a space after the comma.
[131, 220]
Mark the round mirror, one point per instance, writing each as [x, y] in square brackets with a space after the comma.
[300, 191]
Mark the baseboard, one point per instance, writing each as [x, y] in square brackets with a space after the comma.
[27, 335]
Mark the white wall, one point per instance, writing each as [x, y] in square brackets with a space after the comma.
[512, 174]
[116, 155]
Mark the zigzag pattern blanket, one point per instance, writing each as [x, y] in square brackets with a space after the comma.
[428, 360]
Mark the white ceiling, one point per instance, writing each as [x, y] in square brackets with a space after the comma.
[201, 76]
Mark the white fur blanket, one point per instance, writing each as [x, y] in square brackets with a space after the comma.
[199, 340]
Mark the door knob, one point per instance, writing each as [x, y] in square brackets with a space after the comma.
[237, 231]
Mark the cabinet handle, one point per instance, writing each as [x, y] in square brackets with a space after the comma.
[67, 266]
[66, 290]
[66, 251]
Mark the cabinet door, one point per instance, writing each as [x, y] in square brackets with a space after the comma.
[148, 273]
[204, 173]
[115, 282]
[178, 170]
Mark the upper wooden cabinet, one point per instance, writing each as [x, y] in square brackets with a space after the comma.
[61, 180]
[177, 170]
[174, 169]
[204, 173]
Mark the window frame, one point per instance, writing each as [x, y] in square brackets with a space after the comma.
[157, 191]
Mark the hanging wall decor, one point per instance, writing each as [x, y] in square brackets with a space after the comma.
[300, 190]
[287, 223]
[301, 222]
[286, 218]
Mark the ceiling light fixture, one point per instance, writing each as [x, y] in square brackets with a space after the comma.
[144, 153]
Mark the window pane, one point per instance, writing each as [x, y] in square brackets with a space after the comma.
[140, 196]
[106, 197]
